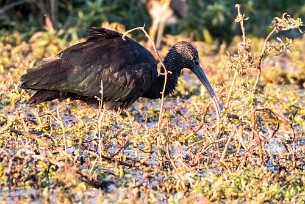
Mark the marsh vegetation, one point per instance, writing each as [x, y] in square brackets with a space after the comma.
[71, 152]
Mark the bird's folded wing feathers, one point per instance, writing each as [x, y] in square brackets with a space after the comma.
[120, 64]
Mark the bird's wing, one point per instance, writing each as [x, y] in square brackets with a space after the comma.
[125, 68]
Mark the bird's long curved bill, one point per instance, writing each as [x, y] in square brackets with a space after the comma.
[204, 80]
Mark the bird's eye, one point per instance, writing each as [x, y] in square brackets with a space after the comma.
[195, 59]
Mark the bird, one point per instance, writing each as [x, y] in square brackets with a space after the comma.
[113, 68]
[165, 12]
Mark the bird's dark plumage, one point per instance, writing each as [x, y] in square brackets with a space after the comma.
[125, 68]
[106, 65]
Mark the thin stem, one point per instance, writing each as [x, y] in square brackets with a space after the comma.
[224, 152]
[165, 73]
[231, 89]
[101, 113]
[263, 52]
[59, 120]
[241, 21]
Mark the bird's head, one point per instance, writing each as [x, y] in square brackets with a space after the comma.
[185, 55]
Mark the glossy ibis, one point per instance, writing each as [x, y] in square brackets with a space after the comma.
[123, 69]
[164, 12]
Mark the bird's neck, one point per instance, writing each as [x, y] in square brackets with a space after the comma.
[174, 71]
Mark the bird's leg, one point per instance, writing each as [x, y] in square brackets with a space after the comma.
[161, 21]
[152, 31]
[160, 34]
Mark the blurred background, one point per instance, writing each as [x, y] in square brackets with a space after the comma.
[201, 20]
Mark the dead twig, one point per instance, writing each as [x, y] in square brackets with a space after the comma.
[8, 124]
[224, 152]
[100, 114]
[241, 18]
[278, 24]
[93, 180]
[123, 146]
[40, 141]
[165, 73]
